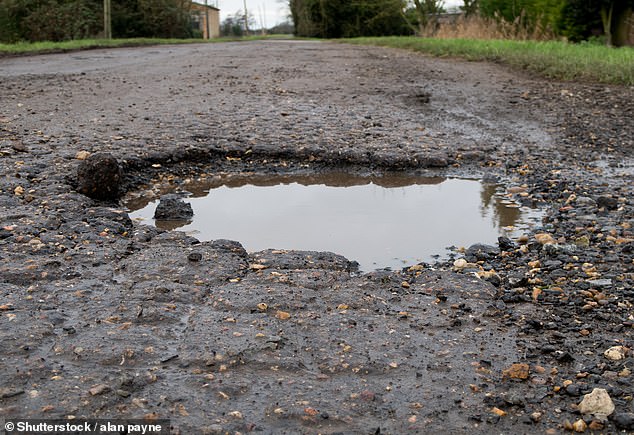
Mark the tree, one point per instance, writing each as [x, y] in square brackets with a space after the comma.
[151, 18]
[623, 33]
[166, 18]
[285, 28]
[469, 7]
[426, 11]
[582, 19]
[56, 20]
[614, 17]
[235, 25]
[348, 18]
[229, 27]
[606, 12]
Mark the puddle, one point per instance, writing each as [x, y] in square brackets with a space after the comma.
[388, 221]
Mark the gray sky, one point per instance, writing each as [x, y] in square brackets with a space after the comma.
[271, 11]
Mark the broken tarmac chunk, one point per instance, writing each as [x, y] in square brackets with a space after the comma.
[173, 208]
[100, 176]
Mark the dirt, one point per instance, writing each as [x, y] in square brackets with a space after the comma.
[102, 317]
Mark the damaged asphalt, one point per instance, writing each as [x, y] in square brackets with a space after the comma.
[103, 317]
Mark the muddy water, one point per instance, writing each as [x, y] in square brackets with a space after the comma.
[389, 221]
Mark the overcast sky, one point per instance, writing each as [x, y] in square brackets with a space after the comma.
[271, 11]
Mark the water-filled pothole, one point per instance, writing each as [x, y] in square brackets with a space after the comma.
[388, 221]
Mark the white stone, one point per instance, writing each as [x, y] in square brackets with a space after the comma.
[460, 264]
[598, 403]
[615, 353]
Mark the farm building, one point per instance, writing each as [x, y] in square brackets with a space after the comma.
[205, 19]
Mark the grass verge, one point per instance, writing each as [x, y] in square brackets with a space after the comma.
[24, 48]
[83, 44]
[551, 59]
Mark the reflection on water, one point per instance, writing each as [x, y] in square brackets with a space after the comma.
[200, 187]
[387, 221]
[506, 215]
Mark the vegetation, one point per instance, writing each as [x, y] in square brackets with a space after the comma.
[83, 44]
[237, 25]
[553, 59]
[425, 12]
[575, 20]
[64, 20]
[344, 18]
[21, 48]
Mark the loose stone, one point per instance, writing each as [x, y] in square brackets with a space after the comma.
[100, 177]
[597, 403]
[172, 207]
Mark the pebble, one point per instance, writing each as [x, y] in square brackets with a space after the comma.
[573, 390]
[615, 353]
[596, 425]
[194, 256]
[99, 389]
[517, 371]
[607, 202]
[544, 239]
[460, 264]
[506, 244]
[82, 155]
[579, 426]
[597, 403]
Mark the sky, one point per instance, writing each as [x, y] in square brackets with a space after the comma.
[272, 12]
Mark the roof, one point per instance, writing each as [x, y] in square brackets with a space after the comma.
[194, 4]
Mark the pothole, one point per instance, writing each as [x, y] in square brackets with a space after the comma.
[389, 221]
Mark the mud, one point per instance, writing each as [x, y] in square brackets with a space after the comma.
[104, 317]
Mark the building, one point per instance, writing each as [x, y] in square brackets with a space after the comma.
[206, 20]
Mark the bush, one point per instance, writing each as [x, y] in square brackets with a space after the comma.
[53, 21]
[60, 20]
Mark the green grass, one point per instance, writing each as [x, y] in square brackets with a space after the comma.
[84, 44]
[22, 48]
[552, 59]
